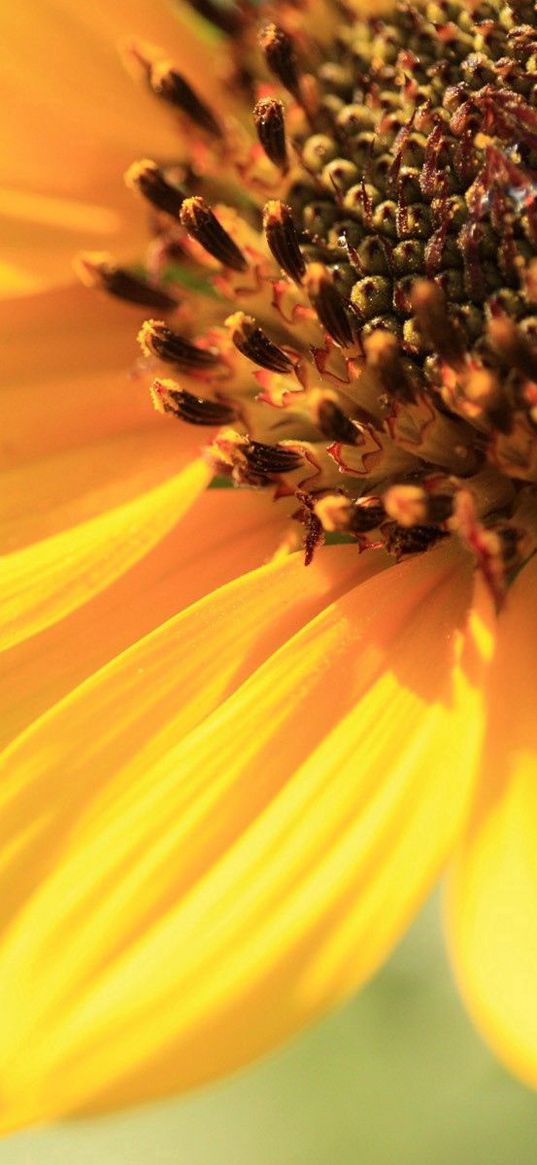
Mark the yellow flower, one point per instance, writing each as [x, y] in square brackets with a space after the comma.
[226, 811]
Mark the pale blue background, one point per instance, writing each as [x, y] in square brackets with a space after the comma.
[398, 1077]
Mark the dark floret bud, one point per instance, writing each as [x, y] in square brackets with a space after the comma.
[271, 460]
[226, 18]
[254, 343]
[168, 397]
[278, 50]
[329, 304]
[384, 359]
[202, 225]
[98, 269]
[401, 541]
[173, 88]
[156, 339]
[148, 180]
[335, 424]
[513, 347]
[270, 125]
[430, 306]
[281, 236]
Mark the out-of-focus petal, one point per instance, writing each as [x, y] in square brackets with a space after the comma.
[70, 81]
[69, 373]
[493, 896]
[40, 234]
[207, 895]
[73, 120]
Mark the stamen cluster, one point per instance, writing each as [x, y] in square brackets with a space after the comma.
[369, 345]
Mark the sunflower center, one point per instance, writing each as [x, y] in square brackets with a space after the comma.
[371, 347]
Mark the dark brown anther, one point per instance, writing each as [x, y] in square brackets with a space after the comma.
[365, 517]
[202, 225]
[329, 304]
[313, 528]
[148, 180]
[278, 50]
[156, 339]
[439, 508]
[384, 359]
[511, 540]
[271, 460]
[432, 171]
[253, 342]
[474, 275]
[430, 306]
[196, 410]
[172, 87]
[404, 540]
[98, 269]
[225, 18]
[335, 424]
[270, 125]
[282, 239]
[512, 347]
[339, 514]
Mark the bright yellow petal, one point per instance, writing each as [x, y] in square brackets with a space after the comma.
[221, 537]
[168, 682]
[44, 582]
[493, 898]
[214, 893]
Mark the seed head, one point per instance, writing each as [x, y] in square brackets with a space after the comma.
[374, 312]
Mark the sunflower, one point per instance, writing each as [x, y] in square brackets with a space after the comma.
[226, 811]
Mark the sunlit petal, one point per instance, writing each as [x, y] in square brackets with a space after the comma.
[212, 893]
[493, 899]
[44, 582]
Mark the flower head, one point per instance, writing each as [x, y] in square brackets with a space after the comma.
[341, 292]
[384, 243]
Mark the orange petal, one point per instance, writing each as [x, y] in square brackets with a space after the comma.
[79, 152]
[210, 894]
[45, 581]
[69, 373]
[40, 234]
[493, 897]
[58, 150]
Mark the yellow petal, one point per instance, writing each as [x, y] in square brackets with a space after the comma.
[68, 373]
[43, 497]
[221, 537]
[164, 685]
[39, 235]
[58, 150]
[493, 897]
[218, 890]
[44, 582]
[14, 280]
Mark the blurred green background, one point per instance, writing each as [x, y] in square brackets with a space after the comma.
[398, 1077]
